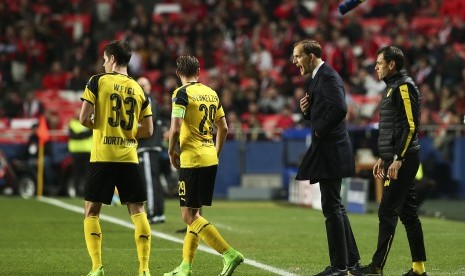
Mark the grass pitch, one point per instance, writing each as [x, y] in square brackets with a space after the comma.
[39, 238]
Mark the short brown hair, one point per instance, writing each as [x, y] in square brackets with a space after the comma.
[392, 53]
[187, 65]
[310, 46]
[121, 50]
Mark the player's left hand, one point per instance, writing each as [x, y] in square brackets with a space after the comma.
[393, 169]
[174, 159]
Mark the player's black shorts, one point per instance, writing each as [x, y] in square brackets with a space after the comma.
[103, 177]
[195, 186]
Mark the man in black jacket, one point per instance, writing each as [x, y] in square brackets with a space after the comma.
[149, 152]
[398, 163]
[330, 156]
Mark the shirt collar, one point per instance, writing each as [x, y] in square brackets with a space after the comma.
[316, 69]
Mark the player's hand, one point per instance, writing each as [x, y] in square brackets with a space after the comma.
[305, 104]
[378, 169]
[393, 170]
[174, 159]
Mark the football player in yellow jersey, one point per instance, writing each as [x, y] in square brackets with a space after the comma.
[196, 111]
[116, 108]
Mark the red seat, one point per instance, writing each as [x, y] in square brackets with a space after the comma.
[4, 123]
[269, 122]
[46, 95]
[101, 46]
[270, 125]
[460, 49]
[427, 25]
[453, 7]
[309, 25]
[152, 75]
[73, 24]
[376, 24]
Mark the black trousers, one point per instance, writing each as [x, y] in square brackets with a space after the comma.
[149, 162]
[398, 201]
[342, 247]
[81, 166]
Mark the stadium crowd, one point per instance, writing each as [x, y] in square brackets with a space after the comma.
[243, 47]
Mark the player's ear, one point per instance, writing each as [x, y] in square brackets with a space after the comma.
[392, 65]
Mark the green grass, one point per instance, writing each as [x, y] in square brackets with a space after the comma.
[37, 238]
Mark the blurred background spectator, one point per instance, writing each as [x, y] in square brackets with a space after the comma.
[45, 45]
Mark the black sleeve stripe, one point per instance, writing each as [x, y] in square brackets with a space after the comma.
[405, 94]
[181, 96]
[92, 85]
[146, 102]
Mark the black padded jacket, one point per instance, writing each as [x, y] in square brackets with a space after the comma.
[399, 117]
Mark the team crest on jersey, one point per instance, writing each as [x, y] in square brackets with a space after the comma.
[389, 92]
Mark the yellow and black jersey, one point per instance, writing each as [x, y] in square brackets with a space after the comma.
[200, 108]
[119, 104]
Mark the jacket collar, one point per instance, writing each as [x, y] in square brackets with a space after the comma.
[397, 75]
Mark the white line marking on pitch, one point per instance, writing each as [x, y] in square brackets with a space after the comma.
[126, 224]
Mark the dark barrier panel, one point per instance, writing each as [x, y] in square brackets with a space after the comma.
[59, 152]
[289, 174]
[18, 151]
[229, 169]
[264, 157]
[283, 157]
[294, 151]
[458, 165]
[13, 151]
[427, 149]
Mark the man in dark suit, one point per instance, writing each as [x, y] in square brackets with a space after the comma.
[330, 156]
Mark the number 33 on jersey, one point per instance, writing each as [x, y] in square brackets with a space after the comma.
[119, 104]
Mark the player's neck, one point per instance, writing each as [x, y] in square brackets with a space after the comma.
[189, 80]
[121, 70]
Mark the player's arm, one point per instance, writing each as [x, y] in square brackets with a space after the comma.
[175, 130]
[145, 129]
[86, 117]
[180, 102]
[222, 132]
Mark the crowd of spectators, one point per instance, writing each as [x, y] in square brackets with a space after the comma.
[244, 48]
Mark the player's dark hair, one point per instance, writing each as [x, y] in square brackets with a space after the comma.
[120, 50]
[310, 46]
[392, 53]
[187, 65]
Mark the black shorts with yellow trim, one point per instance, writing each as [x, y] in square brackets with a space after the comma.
[195, 186]
[103, 177]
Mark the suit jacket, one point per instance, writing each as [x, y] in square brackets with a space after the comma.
[330, 154]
